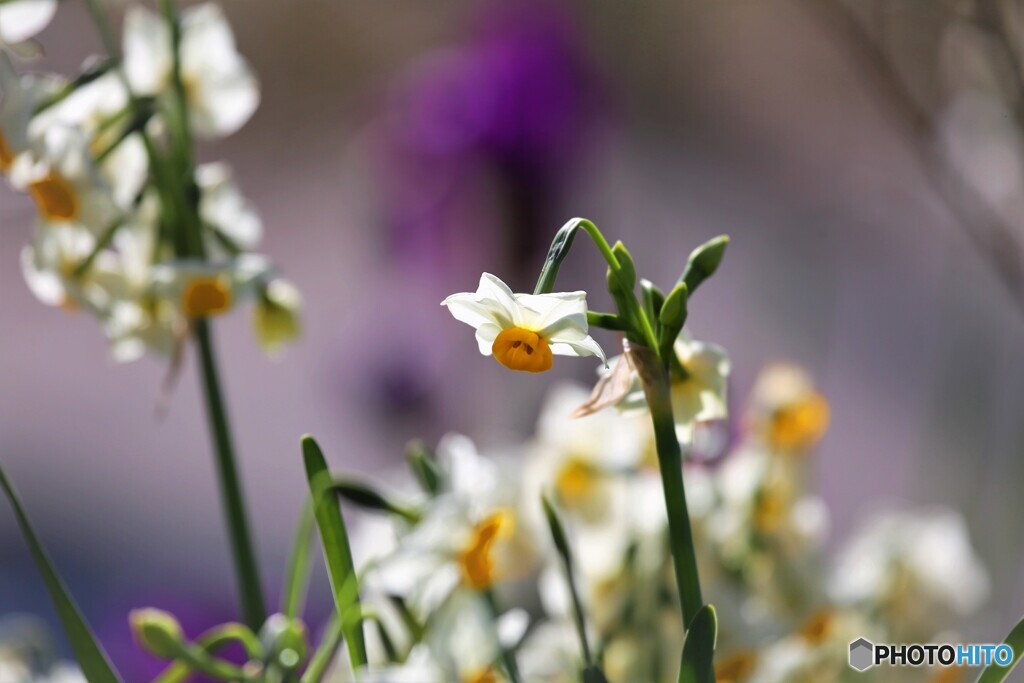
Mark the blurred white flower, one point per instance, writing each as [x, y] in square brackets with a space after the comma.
[50, 266]
[909, 563]
[468, 539]
[578, 460]
[524, 331]
[785, 410]
[223, 207]
[202, 289]
[221, 89]
[58, 171]
[699, 396]
[21, 20]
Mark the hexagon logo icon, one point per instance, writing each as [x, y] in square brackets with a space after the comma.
[862, 654]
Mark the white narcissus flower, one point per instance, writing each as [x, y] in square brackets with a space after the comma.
[524, 331]
[468, 539]
[221, 89]
[21, 20]
[51, 268]
[225, 208]
[58, 171]
[786, 411]
[700, 396]
[201, 289]
[911, 562]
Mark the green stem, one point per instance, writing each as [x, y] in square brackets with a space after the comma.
[670, 461]
[508, 657]
[250, 592]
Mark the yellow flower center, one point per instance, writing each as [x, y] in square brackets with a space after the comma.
[55, 197]
[206, 296]
[477, 559]
[519, 349]
[576, 480]
[736, 668]
[818, 627]
[801, 425]
[6, 153]
[484, 676]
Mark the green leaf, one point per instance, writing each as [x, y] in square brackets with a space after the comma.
[336, 548]
[96, 667]
[321, 660]
[296, 581]
[697, 664]
[562, 546]
[995, 673]
[627, 269]
[704, 262]
[424, 467]
[367, 497]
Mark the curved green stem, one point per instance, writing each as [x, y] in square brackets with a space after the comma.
[633, 312]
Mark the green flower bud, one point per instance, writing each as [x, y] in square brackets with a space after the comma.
[284, 639]
[704, 262]
[628, 269]
[158, 632]
[276, 319]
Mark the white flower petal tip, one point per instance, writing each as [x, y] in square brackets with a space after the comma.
[525, 331]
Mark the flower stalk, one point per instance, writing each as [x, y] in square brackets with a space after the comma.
[651, 328]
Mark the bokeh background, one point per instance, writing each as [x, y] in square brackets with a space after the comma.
[865, 160]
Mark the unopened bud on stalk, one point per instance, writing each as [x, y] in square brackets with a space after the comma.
[158, 632]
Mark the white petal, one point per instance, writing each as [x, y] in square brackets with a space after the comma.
[485, 336]
[148, 57]
[494, 290]
[22, 19]
[568, 346]
[223, 90]
[468, 308]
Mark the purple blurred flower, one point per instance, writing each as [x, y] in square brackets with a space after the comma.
[484, 135]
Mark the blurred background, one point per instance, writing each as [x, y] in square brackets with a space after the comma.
[867, 162]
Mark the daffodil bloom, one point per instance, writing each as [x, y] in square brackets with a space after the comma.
[223, 207]
[525, 331]
[786, 411]
[50, 267]
[59, 173]
[99, 111]
[697, 396]
[462, 645]
[203, 290]
[21, 20]
[891, 564]
[469, 538]
[220, 88]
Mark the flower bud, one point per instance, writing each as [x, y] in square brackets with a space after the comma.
[276, 320]
[157, 631]
[284, 639]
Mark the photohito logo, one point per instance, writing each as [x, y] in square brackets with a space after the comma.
[864, 654]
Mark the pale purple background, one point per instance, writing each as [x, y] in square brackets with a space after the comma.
[738, 117]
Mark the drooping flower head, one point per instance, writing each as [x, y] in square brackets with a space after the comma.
[525, 331]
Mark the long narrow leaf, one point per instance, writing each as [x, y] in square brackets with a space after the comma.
[90, 655]
[297, 580]
[995, 673]
[699, 649]
[337, 552]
